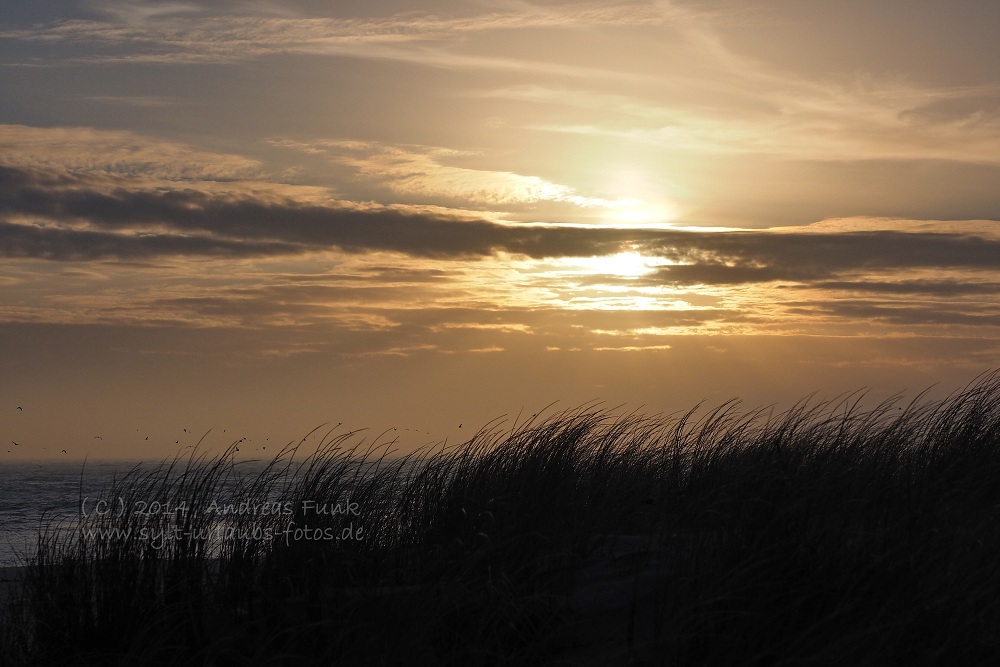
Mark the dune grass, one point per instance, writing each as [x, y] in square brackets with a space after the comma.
[829, 534]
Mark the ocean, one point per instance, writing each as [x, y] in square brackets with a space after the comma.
[34, 495]
[37, 496]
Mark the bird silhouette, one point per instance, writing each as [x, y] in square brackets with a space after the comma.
[97, 437]
[20, 408]
[16, 444]
[65, 452]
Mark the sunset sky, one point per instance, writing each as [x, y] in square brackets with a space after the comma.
[258, 217]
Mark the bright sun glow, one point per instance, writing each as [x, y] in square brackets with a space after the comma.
[636, 212]
[637, 199]
[624, 264]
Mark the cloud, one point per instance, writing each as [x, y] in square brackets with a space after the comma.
[938, 288]
[984, 315]
[723, 101]
[717, 273]
[791, 119]
[728, 102]
[226, 222]
[53, 243]
[412, 278]
[972, 106]
[137, 101]
[633, 348]
[170, 35]
[79, 150]
[422, 171]
[755, 256]
[138, 13]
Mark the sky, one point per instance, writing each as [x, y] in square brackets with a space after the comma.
[240, 221]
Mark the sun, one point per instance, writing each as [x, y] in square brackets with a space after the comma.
[634, 212]
[634, 197]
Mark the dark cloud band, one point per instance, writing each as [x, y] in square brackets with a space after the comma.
[118, 221]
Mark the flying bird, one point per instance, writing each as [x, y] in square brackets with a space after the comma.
[97, 437]
[16, 444]
[65, 452]
[20, 408]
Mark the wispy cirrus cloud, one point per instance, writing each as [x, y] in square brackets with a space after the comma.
[137, 101]
[172, 34]
[801, 121]
[78, 150]
[423, 171]
[724, 102]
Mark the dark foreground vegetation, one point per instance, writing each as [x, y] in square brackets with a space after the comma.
[830, 534]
